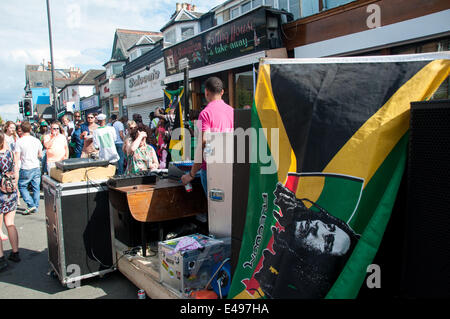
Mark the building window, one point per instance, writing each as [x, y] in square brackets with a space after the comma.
[234, 12]
[187, 32]
[38, 84]
[170, 37]
[226, 15]
[117, 68]
[283, 4]
[246, 7]
[145, 50]
[219, 19]
[269, 3]
[244, 89]
[134, 55]
[256, 3]
[294, 8]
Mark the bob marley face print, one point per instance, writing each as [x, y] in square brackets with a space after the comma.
[309, 250]
[326, 238]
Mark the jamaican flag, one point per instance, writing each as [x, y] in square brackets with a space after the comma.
[173, 100]
[336, 130]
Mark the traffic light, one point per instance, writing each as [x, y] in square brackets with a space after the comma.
[27, 107]
[20, 107]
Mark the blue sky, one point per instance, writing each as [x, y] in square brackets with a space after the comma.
[83, 34]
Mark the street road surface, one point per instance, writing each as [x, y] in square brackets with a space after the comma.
[30, 279]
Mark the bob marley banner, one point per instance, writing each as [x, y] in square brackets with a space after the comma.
[315, 222]
[173, 101]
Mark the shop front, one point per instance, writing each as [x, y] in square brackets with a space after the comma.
[231, 52]
[90, 105]
[144, 90]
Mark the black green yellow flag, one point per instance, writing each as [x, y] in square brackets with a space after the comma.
[173, 100]
[337, 130]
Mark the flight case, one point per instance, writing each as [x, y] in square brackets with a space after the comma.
[79, 229]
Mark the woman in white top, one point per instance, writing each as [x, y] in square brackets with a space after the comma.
[10, 134]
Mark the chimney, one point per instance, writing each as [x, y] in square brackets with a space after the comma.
[194, 7]
[184, 5]
[49, 65]
[178, 7]
[188, 7]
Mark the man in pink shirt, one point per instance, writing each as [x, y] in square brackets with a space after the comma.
[216, 117]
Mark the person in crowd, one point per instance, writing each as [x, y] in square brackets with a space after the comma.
[160, 133]
[169, 117]
[43, 130]
[76, 140]
[8, 201]
[130, 126]
[19, 131]
[10, 134]
[120, 136]
[87, 131]
[216, 117]
[142, 156]
[56, 145]
[104, 137]
[10, 138]
[153, 121]
[68, 126]
[29, 150]
[164, 152]
[137, 118]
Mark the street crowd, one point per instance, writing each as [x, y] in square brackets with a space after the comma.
[29, 150]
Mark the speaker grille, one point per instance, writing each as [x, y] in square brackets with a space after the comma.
[427, 264]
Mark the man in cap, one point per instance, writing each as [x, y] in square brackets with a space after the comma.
[104, 140]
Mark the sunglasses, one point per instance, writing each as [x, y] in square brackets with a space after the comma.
[90, 117]
[55, 128]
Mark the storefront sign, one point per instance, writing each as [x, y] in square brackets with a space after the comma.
[104, 91]
[89, 103]
[243, 36]
[236, 38]
[145, 86]
[139, 80]
[192, 50]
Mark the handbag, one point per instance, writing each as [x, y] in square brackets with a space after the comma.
[8, 181]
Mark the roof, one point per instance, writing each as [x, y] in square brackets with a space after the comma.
[87, 78]
[125, 39]
[45, 78]
[182, 16]
[145, 40]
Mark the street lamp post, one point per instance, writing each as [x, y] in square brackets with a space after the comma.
[51, 60]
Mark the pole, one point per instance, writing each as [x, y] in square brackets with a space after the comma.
[51, 60]
[186, 144]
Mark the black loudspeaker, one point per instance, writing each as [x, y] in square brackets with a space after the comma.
[79, 232]
[426, 267]
[241, 177]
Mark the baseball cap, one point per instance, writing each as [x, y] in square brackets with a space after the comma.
[44, 123]
[101, 117]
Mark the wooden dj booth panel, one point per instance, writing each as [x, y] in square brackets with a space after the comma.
[164, 200]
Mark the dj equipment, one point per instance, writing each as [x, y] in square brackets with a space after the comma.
[143, 178]
[426, 272]
[79, 229]
[75, 163]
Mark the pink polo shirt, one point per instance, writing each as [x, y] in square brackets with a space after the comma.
[216, 117]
